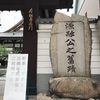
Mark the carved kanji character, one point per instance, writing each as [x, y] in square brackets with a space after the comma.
[70, 42]
[70, 50]
[70, 33]
[69, 25]
[70, 59]
[71, 68]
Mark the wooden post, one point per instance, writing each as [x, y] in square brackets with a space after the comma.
[30, 42]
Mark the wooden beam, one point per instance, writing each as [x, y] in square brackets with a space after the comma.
[30, 42]
[43, 4]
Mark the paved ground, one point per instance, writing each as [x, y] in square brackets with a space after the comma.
[30, 98]
[2, 85]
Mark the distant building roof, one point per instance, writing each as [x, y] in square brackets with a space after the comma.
[16, 27]
[11, 34]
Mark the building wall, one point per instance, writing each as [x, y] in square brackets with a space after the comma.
[95, 56]
[79, 4]
[44, 62]
[44, 70]
[89, 6]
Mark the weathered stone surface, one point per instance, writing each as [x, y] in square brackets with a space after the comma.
[70, 48]
[63, 99]
[98, 26]
[75, 87]
[82, 46]
[55, 97]
[42, 96]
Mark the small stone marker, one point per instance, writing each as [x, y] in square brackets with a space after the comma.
[70, 46]
[16, 77]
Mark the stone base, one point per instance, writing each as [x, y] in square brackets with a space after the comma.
[75, 87]
[43, 96]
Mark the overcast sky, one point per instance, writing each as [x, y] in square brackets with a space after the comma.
[10, 18]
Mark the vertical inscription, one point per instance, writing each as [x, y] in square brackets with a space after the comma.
[30, 20]
[70, 44]
[70, 48]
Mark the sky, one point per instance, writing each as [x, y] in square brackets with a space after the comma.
[10, 18]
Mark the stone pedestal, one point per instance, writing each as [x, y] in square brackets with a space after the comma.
[75, 87]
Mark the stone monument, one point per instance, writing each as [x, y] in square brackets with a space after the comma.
[71, 44]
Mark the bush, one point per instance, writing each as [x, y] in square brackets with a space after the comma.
[4, 55]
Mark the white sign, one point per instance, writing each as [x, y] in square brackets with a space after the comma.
[16, 77]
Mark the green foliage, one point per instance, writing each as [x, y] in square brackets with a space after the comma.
[3, 51]
[2, 73]
[4, 54]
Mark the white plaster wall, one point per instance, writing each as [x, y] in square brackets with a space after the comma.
[44, 62]
[79, 5]
[91, 7]
[95, 56]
